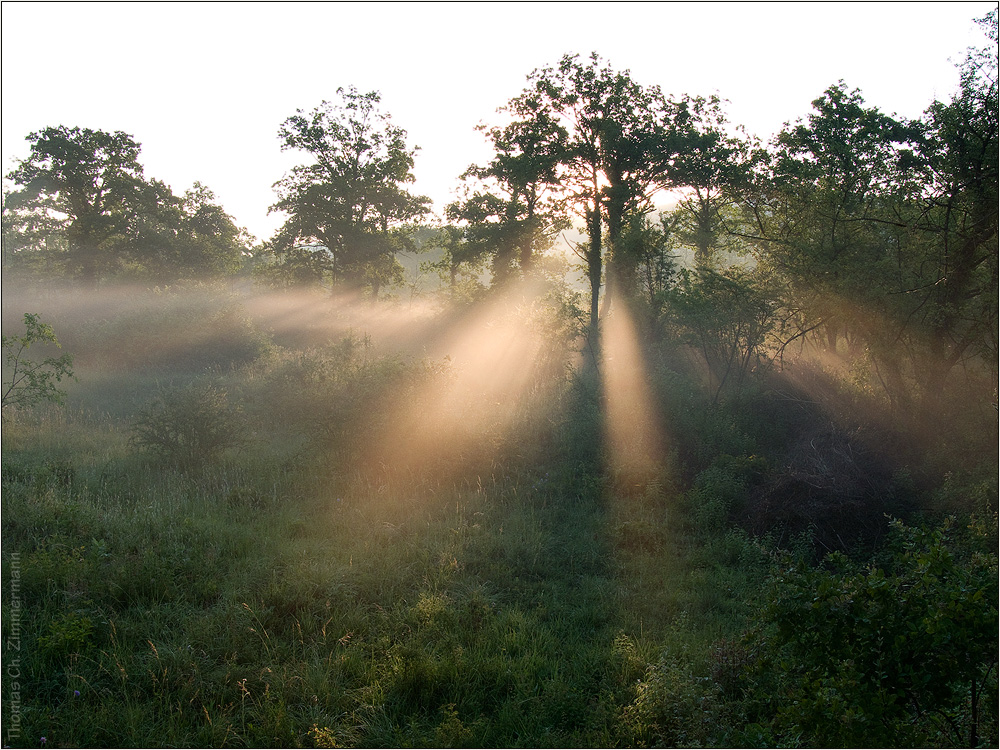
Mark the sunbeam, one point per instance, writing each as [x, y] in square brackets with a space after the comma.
[633, 437]
[461, 417]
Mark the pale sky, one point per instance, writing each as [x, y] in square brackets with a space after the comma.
[204, 86]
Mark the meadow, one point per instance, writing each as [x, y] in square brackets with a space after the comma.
[318, 522]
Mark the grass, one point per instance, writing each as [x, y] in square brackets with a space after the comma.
[255, 602]
[299, 591]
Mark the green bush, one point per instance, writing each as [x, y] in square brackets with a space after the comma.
[337, 399]
[719, 489]
[189, 427]
[899, 655]
[674, 705]
[174, 332]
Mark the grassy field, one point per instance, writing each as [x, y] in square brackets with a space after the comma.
[306, 586]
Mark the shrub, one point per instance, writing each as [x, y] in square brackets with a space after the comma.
[190, 426]
[27, 382]
[175, 332]
[674, 706]
[904, 655]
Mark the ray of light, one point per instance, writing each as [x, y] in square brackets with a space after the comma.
[633, 438]
[459, 419]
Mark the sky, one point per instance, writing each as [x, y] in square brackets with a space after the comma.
[204, 87]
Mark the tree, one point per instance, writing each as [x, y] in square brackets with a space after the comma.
[829, 217]
[596, 135]
[886, 234]
[184, 237]
[26, 381]
[84, 209]
[516, 212]
[649, 245]
[726, 318]
[461, 262]
[90, 182]
[955, 295]
[713, 168]
[349, 203]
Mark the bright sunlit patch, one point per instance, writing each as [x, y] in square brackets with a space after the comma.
[633, 437]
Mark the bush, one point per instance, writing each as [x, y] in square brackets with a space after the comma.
[900, 655]
[674, 706]
[189, 427]
[175, 332]
[719, 489]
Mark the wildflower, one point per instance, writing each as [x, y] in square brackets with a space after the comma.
[44, 740]
[76, 693]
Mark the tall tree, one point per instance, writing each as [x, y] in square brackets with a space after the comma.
[350, 201]
[184, 237]
[886, 232]
[826, 214]
[513, 211]
[614, 156]
[83, 204]
[712, 164]
[956, 298]
[91, 181]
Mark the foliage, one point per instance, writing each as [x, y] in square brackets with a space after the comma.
[400, 557]
[335, 398]
[461, 265]
[186, 237]
[171, 329]
[712, 170]
[515, 213]
[27, 382]
[348, 208]
[674, 705]
[83, 209]
[92, 178]
[899, 653]
[189, 427]
[727, 318]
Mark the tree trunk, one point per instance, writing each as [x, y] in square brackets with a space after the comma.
[594, 274]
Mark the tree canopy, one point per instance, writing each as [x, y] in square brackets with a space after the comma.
[346, 208]
[82, 202]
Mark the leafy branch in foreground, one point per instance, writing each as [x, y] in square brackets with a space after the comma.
[28, 382]
[900, 654]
